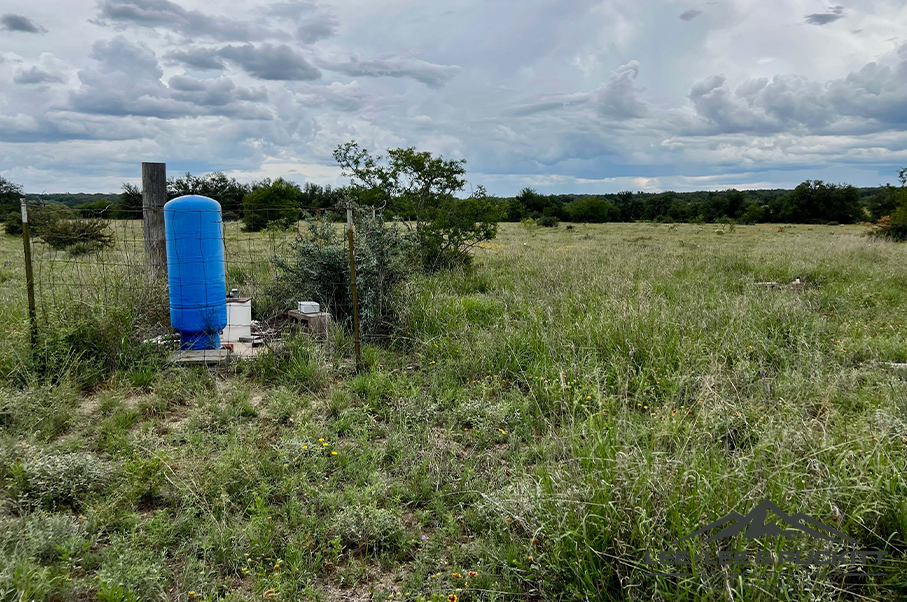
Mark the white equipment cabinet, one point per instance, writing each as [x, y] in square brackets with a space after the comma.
[239, 320]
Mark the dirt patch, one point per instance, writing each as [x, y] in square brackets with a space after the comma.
[379, 586]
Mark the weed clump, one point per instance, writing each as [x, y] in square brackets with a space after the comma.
[375, 529]
[61, 480]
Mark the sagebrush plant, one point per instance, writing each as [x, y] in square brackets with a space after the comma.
[318, 269]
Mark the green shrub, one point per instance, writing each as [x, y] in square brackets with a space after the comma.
[39, 219]
[46, 537]
[77, 236]
[548, 221]
[892, 227]
[318, 270]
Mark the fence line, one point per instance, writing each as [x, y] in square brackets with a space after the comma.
[96, 265]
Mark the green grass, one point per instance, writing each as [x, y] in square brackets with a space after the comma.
[577, 398]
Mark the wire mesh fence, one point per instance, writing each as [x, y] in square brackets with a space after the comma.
[88, 265]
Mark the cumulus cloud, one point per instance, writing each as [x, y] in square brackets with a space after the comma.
[172, 16]
[266, 61]
[38, 76]
[11, 22]
[689, 15]
[619, 98]
[430, 74]
[834, 13]
[873, 98]
[127, 81]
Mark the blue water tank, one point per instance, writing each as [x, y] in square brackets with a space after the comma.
[195, 270]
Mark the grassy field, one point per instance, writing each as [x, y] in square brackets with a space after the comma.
[579, 397]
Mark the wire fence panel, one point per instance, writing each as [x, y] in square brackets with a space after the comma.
[88, 266]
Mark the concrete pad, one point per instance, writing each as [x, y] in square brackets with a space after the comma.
[197, 357]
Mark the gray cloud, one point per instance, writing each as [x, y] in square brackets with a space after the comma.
[127, 81]
[834, 13]
[270, 62]
[169, 15]
[315, 22]
[197, 58]
[552, 103]
[689, 15]
[342, 97]
[37, 76]
[266, 61]
[533, 102]
[430, 74]
[218, 92]
[713, 100]
[317, 27]
[11, 22]
[619, 98]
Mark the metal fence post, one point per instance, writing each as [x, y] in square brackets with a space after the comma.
[356, 338]
[29, 276]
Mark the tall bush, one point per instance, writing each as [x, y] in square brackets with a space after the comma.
[318, 269]
[421, 189]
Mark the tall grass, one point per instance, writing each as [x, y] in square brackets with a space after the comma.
[577, 398]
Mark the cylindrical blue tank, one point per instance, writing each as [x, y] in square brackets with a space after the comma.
[195, 270]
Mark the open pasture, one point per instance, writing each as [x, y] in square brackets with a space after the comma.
[578, 397]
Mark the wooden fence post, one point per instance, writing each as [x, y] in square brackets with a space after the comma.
[154, 195]
[29, 277]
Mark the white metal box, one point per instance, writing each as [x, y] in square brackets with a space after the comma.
[308, 307]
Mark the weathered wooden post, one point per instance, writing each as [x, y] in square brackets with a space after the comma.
[29, 277]
[154, 195]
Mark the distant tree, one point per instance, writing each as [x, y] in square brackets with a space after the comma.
[272, 204]
[9, 197]
[816, 201]
[421, 189]
[126, 205]
[314, 195]
[593, 209]
[893, 224]
[216, 185]
[131, 202]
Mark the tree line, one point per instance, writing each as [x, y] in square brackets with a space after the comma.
[400, 186]
[811, 202]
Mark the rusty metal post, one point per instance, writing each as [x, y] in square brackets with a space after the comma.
[356, 338]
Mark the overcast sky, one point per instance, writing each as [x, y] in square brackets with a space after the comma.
[560, 95]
